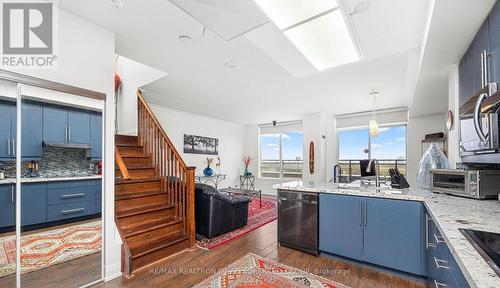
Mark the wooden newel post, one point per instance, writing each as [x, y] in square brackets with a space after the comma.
[191, 216]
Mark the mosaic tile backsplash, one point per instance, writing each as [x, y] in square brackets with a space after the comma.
[55, 162]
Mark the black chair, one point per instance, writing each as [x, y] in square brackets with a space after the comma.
[217, 213]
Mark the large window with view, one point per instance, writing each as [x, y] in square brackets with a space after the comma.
[281, 154]
[389, 148]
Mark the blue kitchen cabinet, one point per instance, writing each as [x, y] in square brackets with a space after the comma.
[96, 135]
[7, 129]
[55, 121]
[98, 196]
[31, 132]
[494, 36]
[7, 205]
[393, 234]
[340, 225]
[78, 126]
[34, 203]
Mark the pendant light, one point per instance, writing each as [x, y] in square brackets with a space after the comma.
[373, 125]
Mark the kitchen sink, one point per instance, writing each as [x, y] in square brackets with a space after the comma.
[487, 244]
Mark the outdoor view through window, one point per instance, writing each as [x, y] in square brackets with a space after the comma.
[281, 154]
[389, 147]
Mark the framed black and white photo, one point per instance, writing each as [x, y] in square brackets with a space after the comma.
[201, 145]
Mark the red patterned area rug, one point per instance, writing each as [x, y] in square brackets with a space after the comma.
[255, 271]
[51, 247]
[257, 217]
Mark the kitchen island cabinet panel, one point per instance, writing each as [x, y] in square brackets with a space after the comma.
[340, 225]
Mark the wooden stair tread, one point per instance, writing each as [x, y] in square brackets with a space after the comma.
[134, 194]
[138, 168]
[142, 180]
[140, 209]
[143, 223]
[138, 249]
[128, 145]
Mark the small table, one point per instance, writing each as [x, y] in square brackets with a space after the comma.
[246, 192]
[247, 182]
[215, 179]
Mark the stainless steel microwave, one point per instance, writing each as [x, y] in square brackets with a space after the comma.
[478, 184]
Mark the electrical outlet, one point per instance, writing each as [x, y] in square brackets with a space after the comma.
[91, 166]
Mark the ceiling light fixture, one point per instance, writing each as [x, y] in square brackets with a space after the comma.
[117, 3]
[229, 65]
[316, 28]
[185, 39]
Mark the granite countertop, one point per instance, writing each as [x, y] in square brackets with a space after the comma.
[449, 212]
[49, 179]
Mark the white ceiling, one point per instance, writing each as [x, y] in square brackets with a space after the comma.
[272, 80]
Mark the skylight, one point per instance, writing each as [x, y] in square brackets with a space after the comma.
[317, 28]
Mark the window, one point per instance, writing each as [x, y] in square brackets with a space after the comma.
[389, 148]
[281, 154]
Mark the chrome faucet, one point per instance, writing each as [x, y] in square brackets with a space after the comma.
[337, 176]
[377, 171]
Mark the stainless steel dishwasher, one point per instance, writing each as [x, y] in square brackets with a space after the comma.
[298, 221]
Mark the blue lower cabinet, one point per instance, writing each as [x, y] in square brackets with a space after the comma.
[393, 235]
[70, 210]
[7, 205]
[98, 196]
[70, 194]
[340, 225]
[34, 203]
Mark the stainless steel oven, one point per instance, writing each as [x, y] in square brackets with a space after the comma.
[298, 220]
[478, 184]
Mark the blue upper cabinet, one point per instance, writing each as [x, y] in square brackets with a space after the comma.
[7, 205]
[78, 126]
[7, 129]
[96, 135]
[494, 36]
[394, 234]
[31, 130]
[55, 124]
[340, 225]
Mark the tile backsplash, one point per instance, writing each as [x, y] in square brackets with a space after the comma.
[55, 162]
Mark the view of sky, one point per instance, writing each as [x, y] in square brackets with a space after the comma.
[293, 143]
[389, 144]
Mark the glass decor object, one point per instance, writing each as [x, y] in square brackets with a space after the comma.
[433, 158]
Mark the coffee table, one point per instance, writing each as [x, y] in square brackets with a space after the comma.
[249, 193]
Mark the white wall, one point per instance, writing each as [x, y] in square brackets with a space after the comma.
[417, 128]
[231, 140]
[133, 75]
[453, 105]
[315, 130]
[85, 59]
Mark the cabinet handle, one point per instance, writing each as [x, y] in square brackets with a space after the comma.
[76, 195]
[65, 133]
[360, 213]
[428, 243]
[366, 214]
[438, 265]
[486, 68]
[13, 147]
[69, 133]
[439, 239]
[12, 194]
[8, 147]
[72, 211]
[439, 284]
[482, 69]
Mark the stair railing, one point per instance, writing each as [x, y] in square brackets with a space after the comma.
[177, 178]
[121, 165]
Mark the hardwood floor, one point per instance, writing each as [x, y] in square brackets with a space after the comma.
[188, 268]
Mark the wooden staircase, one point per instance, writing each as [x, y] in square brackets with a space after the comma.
[154, 195]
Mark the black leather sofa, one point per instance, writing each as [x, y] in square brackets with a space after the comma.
[217, 213]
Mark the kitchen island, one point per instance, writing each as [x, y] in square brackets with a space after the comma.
[449, 214]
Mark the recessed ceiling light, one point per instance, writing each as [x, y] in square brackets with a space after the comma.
[185, 39]
[229, 65]
[117, 3]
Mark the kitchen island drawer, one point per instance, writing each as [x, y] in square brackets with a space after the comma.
[70, 210]
[69, 184]
[70, 195]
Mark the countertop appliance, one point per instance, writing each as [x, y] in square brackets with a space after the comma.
[298, 221]
[477, 184]
[487, 244]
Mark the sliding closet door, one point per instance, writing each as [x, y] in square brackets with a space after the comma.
[61, 190]
[8, 184]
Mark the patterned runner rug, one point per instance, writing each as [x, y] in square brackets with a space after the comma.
[257, 217]
[256, 271]
[47, 248]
